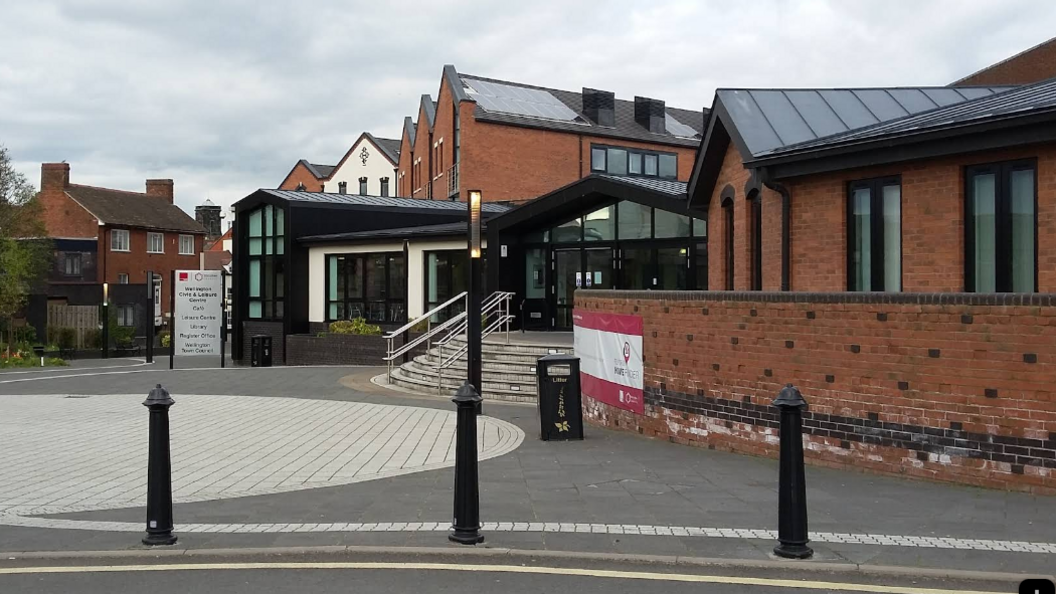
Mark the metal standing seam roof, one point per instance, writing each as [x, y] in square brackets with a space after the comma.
[1018, 100]
[769, 120]
[664, 186]
[380, 201]
[457, 228]
[536, 107]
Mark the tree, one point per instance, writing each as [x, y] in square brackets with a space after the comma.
[24, 253]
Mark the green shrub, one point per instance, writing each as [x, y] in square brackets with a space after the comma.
[123, 336]
[55, 362]
[66, 338]
[354, 326]
[92, 338]
[166, 338]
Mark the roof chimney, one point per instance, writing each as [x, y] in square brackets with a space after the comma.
[54, 176]
[162, 188]
[599, 106]
[650, 114]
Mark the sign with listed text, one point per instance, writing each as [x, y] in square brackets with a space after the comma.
[610, 350]
[198, 318]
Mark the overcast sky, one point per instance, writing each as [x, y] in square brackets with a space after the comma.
[225, 95]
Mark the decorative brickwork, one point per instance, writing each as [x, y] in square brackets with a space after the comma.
[982, 412]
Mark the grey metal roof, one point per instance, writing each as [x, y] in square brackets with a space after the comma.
[408, 127]
[665, 186]
[382, 201]
[1018, 101]
[625, 125]
[769, 120]
[429, 107]
[458, 228]
[319, 171]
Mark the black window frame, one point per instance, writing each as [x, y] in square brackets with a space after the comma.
[728, 223]
[362, 186]
[632, 152]
[384, 187]
[389, 300]
[877, 274]
[75, 258]
[271, 265]
[1003, 221]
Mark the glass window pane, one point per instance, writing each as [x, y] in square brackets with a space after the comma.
[432, 271]
[280, 245]
[280, 221]
[892, 238]
[255, 247]
[1022, 207]
[268, 221]
[397, 276]
[635, 221]
[984, 228]
[700, 228]
[332, 312]
[702, 267]
[535, 273]
[861, 251]
[617, 161]
[637, 269]
[537, 237]
[567, 232]
[634, 163]
[280, 270]
[671, 267]
[354, 271]
[255, 309]
[254, 278]
[375, 274]
[255, 229]
[597, 159]
[668, 166]
[650, 164]
[600, 225]
[669, 224]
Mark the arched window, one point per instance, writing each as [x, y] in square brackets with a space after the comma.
[755, 201]
[727, 240]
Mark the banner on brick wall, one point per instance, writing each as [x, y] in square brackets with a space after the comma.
[197, 329]
[610, 350]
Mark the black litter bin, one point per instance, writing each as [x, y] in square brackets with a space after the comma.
[260, 351]
[560, 400]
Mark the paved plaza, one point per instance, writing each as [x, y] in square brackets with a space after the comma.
[320, 456]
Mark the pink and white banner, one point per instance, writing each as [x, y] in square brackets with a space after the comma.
[609, 347]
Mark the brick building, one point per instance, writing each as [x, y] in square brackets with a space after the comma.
[1029, 66]
[368, 167]
[114, 236]
[890, 252]
[515, 142]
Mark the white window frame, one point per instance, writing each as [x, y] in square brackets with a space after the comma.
[189, 238]
[122, 278]
[117, 245]
[150, 242]
[126, 316]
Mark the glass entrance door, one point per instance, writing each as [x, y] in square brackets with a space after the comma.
[598, 274]
[567, 275]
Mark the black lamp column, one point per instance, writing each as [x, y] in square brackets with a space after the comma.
[159, 470]
[792, 486]
[465, 528]
[106, 321]
[473, 315]
[148, 313]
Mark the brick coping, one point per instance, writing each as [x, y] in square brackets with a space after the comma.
[996, 299]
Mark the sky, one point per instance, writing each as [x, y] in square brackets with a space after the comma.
[224, 96]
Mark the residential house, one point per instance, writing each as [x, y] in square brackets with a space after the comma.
[367, 168]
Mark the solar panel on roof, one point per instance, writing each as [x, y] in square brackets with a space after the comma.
[944, 97]
[782, 115]
[819, 115]
[913, 100]
[883, 106]
[534, 103]
[677, 128]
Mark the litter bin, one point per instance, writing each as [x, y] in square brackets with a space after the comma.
[560, 400]
[260, 347]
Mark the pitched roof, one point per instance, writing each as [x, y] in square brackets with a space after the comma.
[319, 171]
[625, 125]
[769, 120]
[217, 260]
[408, 129]
[457, 228]
[133, 209]
[428, 106]
[389, 146]
[380, 201]
[663, 186]
[1028, 66]
[218, 245]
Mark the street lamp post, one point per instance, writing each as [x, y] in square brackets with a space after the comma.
[148, 316]
[473, 330]
[106, 320]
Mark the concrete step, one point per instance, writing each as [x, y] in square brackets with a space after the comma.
[496, 344]
[489, 365]
[456, 377]
[493, 355]
[495, 377]
[427, 385]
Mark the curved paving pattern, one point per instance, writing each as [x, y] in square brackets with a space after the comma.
[77, 453]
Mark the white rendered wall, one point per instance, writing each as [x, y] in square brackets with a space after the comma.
[376, 167]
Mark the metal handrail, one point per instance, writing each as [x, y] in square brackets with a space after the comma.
[393, 353]
[497, 302]
[427, 314]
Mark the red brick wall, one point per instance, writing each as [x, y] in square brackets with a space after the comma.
[301, 175]
[932, 223]
[423, 149]
[403, 175]
[136, 262]
[1034, 65]
[62, 216]
[959, 391]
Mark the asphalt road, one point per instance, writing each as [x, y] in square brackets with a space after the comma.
[324, 574]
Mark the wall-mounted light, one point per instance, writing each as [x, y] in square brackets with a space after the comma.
[474, 223]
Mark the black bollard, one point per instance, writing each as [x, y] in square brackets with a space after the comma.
[159, 471]
[792, 487]
[465, 529]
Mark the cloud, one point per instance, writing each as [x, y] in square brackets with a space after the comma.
[224, 97]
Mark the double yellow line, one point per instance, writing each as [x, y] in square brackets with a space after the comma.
[563, 571]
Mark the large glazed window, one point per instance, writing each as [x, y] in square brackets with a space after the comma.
[1001, 228]
[618, 160]
[874, 235]
[266, 264]
[371, 286]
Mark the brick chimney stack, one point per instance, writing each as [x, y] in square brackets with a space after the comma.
[162, 188]
[54, 176]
